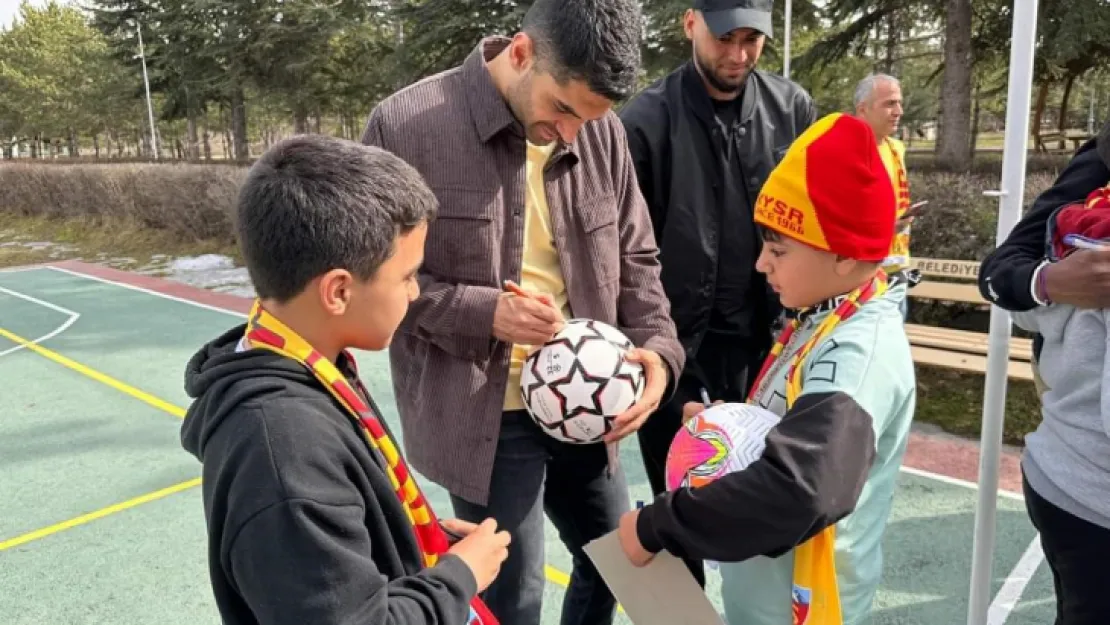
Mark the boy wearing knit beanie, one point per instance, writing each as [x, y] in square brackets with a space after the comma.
[799, 531]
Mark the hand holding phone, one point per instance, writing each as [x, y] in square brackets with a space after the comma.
[915, 209]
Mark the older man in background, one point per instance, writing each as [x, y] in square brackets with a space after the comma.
[878, 101]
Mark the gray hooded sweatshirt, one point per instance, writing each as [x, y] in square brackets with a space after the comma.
[1067, 459]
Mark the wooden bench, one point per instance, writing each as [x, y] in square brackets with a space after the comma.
[955, 281]
[1061, 139]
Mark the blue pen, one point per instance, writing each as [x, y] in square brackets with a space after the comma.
[1080, 241]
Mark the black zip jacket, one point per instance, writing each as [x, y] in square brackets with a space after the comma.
[303, 525]
[809, 477]
[1006, 274]
[681, 156]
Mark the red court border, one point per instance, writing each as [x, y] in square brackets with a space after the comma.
[939, 454]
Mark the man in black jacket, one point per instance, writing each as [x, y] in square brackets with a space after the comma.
[703, 141]
[1017, 277]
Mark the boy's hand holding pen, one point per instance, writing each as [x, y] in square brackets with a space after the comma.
[691, 409]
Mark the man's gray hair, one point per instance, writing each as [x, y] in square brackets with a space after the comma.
[867, 85]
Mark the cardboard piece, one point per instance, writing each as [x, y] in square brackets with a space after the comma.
[661, 593]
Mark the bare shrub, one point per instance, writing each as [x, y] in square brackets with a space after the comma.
[192, 201]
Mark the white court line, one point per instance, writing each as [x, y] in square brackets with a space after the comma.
[1012, 589]
[958, 482]
[140, 289]
[21, 269]
[918, 472]
[55, 332]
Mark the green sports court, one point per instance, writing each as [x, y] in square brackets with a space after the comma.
[103, 520]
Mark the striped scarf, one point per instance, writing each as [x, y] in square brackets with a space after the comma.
[899, 258]
[815, 597]
[266, 332]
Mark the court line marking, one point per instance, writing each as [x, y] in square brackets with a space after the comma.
[103, 378]
[552, 574]
[1010, 594]
[918, 472]
[140, 289]
[98, 514]
[20, 269]
[34, 300]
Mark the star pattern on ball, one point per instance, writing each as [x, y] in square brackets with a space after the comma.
[590, 404]
[574, 334]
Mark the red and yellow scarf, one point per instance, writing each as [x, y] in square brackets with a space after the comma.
[815, 597]
[266, 332]
[899, 258]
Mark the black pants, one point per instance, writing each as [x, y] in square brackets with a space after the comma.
[532, 474]
[1077, 552]
[725, 367]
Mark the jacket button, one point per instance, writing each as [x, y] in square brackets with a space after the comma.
[742, 131]
[755, 181]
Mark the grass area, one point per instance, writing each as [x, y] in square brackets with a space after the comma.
[950, 400]
[88, 238]
[953, 401]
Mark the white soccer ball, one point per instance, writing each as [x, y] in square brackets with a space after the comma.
[577, 383]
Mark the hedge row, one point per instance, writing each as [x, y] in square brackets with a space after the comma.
[192, 201]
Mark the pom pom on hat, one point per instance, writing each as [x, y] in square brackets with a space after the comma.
[832, 192]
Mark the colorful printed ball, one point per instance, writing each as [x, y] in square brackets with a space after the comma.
[720, 440]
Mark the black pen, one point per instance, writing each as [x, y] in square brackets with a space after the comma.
[452, 537]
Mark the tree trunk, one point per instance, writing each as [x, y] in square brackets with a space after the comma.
[192, 148]
[974, 125]
[239, 125]
[955, 99]
[891, 41]
[74, 144]
[300, 119]
[1038, 110]
[1063, 123]
[96, 145]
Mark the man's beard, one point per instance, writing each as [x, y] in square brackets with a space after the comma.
[715, 81]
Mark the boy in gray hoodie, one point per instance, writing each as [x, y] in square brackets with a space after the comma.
[1066, 466]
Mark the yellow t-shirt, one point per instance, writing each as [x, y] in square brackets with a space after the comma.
[540, 271]
[893, 153]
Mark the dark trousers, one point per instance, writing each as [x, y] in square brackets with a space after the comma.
[1077, 552]
[533, 474]
[725, 367]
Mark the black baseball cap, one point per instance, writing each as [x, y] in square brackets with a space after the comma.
[723, 16]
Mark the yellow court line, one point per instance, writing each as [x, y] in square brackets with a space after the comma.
[92, 516]
[127, 389]
[553, 574]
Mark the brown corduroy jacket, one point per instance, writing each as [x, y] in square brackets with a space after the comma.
[449, 372]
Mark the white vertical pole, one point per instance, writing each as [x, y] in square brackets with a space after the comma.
[998, 351]
[786, 41]
[146, 85]
[1091, 111]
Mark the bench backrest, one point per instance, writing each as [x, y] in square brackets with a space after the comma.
[944, 268]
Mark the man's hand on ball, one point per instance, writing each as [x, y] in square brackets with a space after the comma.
[655, 384]
[526, 320]
[630, 540]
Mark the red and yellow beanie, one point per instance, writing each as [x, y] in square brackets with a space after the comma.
[832, 192]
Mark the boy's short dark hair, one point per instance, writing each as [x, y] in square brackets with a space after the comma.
[312, 203]
[595, 41]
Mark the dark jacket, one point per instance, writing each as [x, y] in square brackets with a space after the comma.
[1006, 274]
[679, 151]
[303, 524]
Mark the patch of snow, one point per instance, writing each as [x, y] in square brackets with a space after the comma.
[210, 271]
